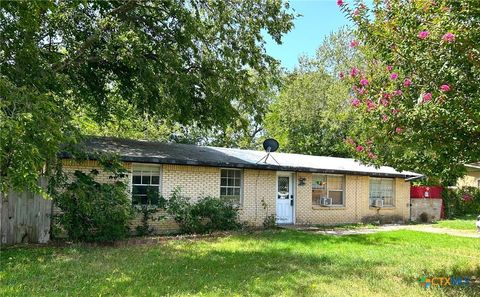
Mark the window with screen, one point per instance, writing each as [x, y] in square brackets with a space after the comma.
[328, 186]
[231, 185]
[382, 188]
[145, 185]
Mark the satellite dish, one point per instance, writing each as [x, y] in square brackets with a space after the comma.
[270, 145]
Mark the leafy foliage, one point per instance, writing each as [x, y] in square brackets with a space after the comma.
[200, 63]
[206, 215]
[417, 97]
[461, 202]
[311, 114]
[149, 212]
[32, 128]
[93, 211]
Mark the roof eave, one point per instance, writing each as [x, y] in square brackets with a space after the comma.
[154, 160]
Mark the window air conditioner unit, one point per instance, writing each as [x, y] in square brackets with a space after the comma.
[325, 201]
[378, 203]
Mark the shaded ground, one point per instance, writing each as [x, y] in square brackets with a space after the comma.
[284, 262]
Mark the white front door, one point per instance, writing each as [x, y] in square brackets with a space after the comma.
[284, 198]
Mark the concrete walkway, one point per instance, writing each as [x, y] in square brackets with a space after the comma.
[386, 228]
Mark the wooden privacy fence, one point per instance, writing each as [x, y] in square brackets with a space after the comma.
[25, 217]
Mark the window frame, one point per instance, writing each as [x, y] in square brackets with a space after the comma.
[328, 190]
[146, 167]
[240, 200]
[394, 198]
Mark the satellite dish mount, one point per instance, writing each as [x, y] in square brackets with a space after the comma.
[270, 145]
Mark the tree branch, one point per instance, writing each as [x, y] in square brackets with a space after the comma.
[129, 5]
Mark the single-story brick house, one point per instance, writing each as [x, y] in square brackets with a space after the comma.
[297, 189]
[472, 176]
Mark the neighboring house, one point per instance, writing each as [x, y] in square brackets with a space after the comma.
[472, 177]
[299, 189]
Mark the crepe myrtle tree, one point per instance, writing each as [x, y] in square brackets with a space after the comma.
[417, 98]
[186, 62]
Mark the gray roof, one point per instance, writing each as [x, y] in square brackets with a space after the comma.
[186, 154]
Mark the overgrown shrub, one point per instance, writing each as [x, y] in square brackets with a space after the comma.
[93, 211]
[206, 215]
[462, 201]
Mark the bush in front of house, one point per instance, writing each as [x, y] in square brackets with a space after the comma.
[461, 201]
[93, 211]
[203, 216]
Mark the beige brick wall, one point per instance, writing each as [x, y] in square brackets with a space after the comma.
[193, 181]
[260, 185]
[356, 206]
[469, 180]
[70, 166]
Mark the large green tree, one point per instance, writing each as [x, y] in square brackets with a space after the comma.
[312, 114]
[417, 98]
[187, 62]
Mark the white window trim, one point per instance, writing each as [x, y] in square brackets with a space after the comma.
[141, 166]
[343, 188]
[394, 196]
[241, 183]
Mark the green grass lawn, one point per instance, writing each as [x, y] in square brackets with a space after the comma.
[463, 223]
[286, 263]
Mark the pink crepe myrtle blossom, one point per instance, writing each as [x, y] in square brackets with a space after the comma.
[389, 68]
[394, 76]
[426, 97]
[395, 111]
[384, 102]
[423, 34]
[467, 197]
[448, 37]
[384, 117]
[354, 72]
[397, 93]
[364, 81]
[445, 88]
[354, 43]
[372, 155]
[341, 75]
[356, 11]
[359, 148]
[370, 105]
[340, 3]
[398, 130]
[358, 90]
[407, 82]
[355, 102]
